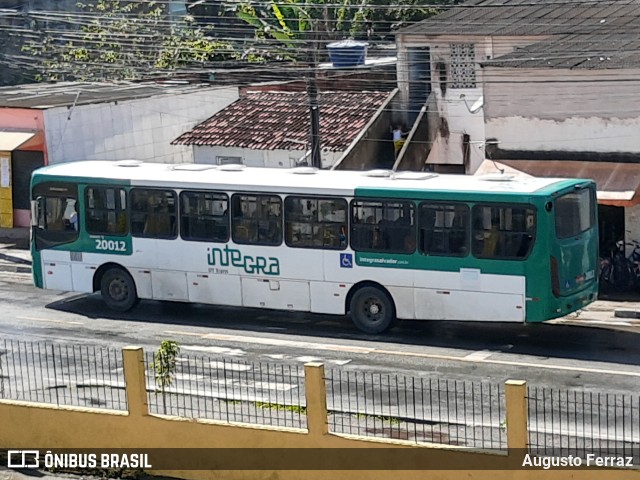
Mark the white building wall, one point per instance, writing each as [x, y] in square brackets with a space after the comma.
[632, 226]
[259, 158]
[454, 105]
[563, 110]
[460, 122]
[140, 129]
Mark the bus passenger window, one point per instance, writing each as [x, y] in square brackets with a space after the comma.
[106, 211]
[256, 219]
[383, 226]
[312, 222]
[153, 213]
[203, 216]
[444, 229]
[503, 232]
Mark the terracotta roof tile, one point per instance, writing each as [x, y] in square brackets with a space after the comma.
[270, 120]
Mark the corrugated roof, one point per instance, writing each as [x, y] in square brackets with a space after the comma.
[62, 94]
[281, 121]
[589, 52]
[531, 18]
[617, 183]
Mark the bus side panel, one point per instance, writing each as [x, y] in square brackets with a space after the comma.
[328, 297]
[142, 278]
[83, 277]
[56, 267]
[469, 295]
[214, 289]
[469, 306]
[403, 298]
[275, 293]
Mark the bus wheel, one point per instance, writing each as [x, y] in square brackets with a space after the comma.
[372, 310]
[118, 290]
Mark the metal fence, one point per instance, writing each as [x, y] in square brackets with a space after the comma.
[79, 375]
[233, 391]
[579, 423]
[450, 412]
[415, 408]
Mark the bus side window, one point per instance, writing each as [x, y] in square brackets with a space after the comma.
[256, 219]
[203, 216]
[503, 232]
[106, 210]
[314, 222]
[153, 213]
[444, 229]
[388, 226]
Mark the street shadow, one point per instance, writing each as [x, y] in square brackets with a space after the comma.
[541, 340]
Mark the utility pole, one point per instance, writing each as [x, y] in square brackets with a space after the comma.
[314, 108]
[312, 91]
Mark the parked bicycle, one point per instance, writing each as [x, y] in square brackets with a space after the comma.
[619, 273]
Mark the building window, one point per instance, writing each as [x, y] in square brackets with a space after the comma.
[463, 65]
[385, 227]
[503, 232]
[256, 219]
[444, 229]
[153, 213]
[229, 160]
[316, 222]
[106, 211]
[204, 217]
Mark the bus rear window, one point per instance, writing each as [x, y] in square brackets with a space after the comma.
[575, 213]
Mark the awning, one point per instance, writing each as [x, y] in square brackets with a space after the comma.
[9, 141]
[617, 183]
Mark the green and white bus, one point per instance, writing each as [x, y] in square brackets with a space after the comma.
[379, 245]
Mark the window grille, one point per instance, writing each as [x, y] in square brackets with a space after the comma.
[463, 65]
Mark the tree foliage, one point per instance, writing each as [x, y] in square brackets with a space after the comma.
[124, 40]
[291, 20]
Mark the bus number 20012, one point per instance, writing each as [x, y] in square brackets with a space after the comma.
[112, 245]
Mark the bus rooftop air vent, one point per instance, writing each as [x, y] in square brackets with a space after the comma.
[496, 177]
[232, 167]
[192, 167]
[377, 173]
[304, 170]
[128, 163]
[413, 175]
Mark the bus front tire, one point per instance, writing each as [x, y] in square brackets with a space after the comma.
[118, 290]
[372, 310]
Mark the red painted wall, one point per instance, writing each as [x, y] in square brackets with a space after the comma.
[26, 119]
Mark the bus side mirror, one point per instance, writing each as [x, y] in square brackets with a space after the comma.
[34, 213]
[37, 207]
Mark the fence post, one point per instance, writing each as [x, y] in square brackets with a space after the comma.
[316, 394]
[135, 381]
[517, 419]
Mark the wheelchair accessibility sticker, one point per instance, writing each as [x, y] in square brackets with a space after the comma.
[346, 260]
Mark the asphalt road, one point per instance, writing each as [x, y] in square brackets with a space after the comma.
[544, 355]
[454, 361]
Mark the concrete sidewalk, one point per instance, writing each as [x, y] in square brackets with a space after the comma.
[15, 260]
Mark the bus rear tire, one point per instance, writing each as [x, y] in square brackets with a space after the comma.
[372, 310]
[118, 290]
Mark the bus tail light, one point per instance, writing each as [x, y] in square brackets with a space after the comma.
[555, 277]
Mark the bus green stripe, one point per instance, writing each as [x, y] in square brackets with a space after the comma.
[37, 179]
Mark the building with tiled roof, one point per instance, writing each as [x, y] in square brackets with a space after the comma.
[272, 128]
[49, 123]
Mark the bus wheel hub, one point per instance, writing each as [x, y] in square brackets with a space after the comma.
[374, 309]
